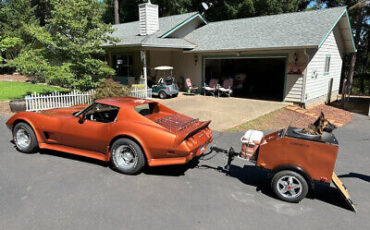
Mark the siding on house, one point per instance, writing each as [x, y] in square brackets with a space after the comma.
[293, 87]
[317, 82]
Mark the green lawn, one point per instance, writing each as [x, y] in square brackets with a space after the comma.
[13, 90]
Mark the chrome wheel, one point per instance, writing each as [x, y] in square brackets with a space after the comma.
[22, 138]
[125, 156]
[289, 187]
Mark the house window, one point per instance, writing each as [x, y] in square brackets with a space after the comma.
[327, 64]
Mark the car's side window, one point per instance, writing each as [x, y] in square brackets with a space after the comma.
[102, 113]
[147, 109]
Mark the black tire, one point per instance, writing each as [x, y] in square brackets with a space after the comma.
[162, 95]
[175, 95]
[29, 146]
[133, 162]
[285, 188]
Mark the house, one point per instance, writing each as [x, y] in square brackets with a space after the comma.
[293, 57]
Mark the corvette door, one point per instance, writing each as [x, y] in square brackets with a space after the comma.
[89, 135]
[92, 132]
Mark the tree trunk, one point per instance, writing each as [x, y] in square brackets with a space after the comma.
[351, 72]
[348, 87]
[116, 14]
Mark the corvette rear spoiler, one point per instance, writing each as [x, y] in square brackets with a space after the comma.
[191, 131]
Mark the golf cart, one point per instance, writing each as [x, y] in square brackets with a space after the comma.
[166, 86]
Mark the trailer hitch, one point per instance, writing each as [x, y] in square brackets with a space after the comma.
[231, 154]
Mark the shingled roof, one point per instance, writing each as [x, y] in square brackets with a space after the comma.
[307, 29]
[291, 30]
[128, 33]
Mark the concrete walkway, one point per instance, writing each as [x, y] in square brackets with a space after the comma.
[225, 112]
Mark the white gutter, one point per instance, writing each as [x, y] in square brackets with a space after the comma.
[251, 49]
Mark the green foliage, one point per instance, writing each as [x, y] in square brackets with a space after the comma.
[220, 9]
[15, 17]
[59, 75]
[361, 84]
[110, 88]
[31, 63]
[9, 45]
[128, 9]
[234, 9]
[64, 48]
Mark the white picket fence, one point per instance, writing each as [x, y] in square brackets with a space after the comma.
[141, 93]
[37, 102]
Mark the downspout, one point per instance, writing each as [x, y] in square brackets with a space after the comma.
[303, 97]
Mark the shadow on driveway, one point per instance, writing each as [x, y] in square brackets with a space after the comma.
[172, 170]
[253, 176]
[356, 175]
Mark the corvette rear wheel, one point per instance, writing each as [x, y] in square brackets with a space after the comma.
[127, 157]
[24, 138]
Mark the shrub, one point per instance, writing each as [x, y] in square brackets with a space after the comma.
[59, 75]
[31, 64]
[110, 88]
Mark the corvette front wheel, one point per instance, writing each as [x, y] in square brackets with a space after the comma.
[24, 138]
[126, 156]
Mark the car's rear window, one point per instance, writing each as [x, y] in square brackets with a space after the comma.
[147, 108]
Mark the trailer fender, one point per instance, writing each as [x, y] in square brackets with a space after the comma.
[295, 169]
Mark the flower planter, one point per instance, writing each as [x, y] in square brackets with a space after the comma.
[17, 105]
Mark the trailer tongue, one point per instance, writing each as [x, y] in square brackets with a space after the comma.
[296, 160]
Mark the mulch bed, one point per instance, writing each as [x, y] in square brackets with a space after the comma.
[13, 77]
[285, 117]
[332, 113]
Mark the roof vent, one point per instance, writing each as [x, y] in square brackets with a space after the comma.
[148, 18]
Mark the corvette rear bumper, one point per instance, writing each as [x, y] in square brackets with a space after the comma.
[181, 160]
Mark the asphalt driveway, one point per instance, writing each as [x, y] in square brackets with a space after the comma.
[51, 190]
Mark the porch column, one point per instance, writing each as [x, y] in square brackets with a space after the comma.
[143, 59]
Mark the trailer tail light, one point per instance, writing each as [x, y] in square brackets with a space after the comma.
[323, 179]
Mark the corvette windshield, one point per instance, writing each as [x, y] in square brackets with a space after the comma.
[83, 111]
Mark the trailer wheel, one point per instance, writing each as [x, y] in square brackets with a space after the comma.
[289, 186]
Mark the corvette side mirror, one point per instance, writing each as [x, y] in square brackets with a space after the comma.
[81, 118]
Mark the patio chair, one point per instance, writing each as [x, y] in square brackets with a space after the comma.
[211, 88]
[191, 88]
[226, 87]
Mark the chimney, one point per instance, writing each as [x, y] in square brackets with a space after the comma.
[148, 18]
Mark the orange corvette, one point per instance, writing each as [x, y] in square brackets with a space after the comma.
[128, 132]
